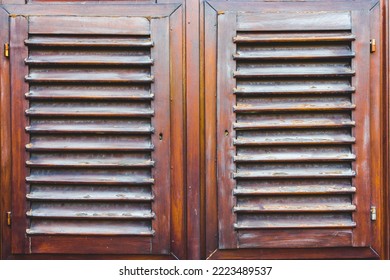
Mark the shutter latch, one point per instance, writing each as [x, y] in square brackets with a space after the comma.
[9, 218]
[6, 49]
[373, 213]
[372, 45]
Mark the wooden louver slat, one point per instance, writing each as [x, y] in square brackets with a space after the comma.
[90, 151]
[290, 158]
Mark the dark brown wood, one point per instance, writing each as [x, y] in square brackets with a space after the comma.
[225, 129]
[193, 144]
[161, 138]
[5, 135]
[18, 32]
[296, 253]
[210, 85]
[193, 129]
[253, 98]
[81, 192]
[177, 98]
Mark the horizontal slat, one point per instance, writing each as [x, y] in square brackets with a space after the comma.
[277, 107]
[92, 179]
[88, 163]
[293, 124]
[294, 238]
[294, 54]
[103, 230]
[88, 60]
[86, 42]
[295, 190]
[303, 173]
[286, 225]
[294, 89]
[321, 140]
[90, 129]
[84, 95]
[294, 21]
[74, 146]
[47, 77]
[89, 112]
[77, 196]
[89, 25]
[293, 72]
[298, 157]
[58, 214]
[290, 208]
[294, 38]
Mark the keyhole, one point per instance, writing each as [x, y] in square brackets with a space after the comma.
[160, 136]
[226, 133]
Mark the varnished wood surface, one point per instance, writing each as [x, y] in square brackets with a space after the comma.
[196, 245]
[105, 189]
[248, 58]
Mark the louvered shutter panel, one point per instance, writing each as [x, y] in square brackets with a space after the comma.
[292, 124]
[91, 116]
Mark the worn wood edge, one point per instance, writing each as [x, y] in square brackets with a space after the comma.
[5, 199]
[295, 253]
[105, 10]
[386, 125]
[378, 128]
[266, 6]
[210, 68]
[90, 257]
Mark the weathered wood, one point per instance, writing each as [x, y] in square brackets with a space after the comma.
[286, 21]
[292, 37]
[87, 42]
[104, 180]
[89, 25]
[97, 59]
[294, 89]
[85, 77]
[294, 190]
[290, 238]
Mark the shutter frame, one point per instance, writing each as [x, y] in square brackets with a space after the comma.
[160, 243]
[215, 10]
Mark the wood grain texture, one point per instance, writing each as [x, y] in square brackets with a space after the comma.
[225, 131]
[272, 111]
[161, 138]
[89, 25]
[210, 84]
[177, 98]
[106, 134]
[5, 135]
[192, 79]
[18, 33]
[283, 21]
[361, 235]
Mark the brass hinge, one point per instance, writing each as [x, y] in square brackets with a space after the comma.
[373, 213]
[372, 45]
[9, 218]
[6, 49]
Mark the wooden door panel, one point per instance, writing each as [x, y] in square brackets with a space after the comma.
[93, 170]
[290, 115]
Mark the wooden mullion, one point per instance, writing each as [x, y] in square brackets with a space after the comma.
[361, 235]
[5, 140]
[18, 52]
[177, 99]
[161, 137]
[210, 68]
[225, 131]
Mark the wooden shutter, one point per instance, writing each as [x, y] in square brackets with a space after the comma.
[292, 123]
[92, 164]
